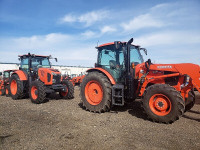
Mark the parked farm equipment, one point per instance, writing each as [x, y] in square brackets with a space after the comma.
[76, 80]
[121, 75]
[4, 83]
[37, 79]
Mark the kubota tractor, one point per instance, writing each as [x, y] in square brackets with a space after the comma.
[37, 79]
[77, 80]
[4, 83]
[121, 75]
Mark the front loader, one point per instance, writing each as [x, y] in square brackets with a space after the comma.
[36, 79]
[121, 75]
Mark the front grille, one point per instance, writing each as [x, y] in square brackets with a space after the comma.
[57, 78]
[48, 77]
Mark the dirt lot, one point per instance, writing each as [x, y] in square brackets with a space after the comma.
[63, 124]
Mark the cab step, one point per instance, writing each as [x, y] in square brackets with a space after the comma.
[118, 95]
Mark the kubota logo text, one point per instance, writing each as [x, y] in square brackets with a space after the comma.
[163, 67]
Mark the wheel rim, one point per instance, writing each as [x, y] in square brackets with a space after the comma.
[64, 93]
[6, 91]
[13, 87]
[33, 92]
[93, 92]
[160, 104]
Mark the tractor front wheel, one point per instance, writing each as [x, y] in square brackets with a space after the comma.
[16, 87]
[96, 92]
[163, 103]
[69, 94]
[37, 92]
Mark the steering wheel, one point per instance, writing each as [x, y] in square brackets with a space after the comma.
[147, 64]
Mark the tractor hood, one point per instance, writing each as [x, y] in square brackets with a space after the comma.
[192, 70]
[184, 68]
[49, 76]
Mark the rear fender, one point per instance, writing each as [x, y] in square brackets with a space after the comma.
[22, 76]
[106, 73]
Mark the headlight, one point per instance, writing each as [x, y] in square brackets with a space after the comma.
[54, 80]
[142, 71]
[54, 74]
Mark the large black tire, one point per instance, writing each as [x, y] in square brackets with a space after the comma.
[190, 101]
[97, 83]
[7, 91]
[37, 92]
[70, 90]
[2, 92]
[16, 87]
[163, 103]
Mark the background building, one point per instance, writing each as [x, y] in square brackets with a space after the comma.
[63, 69]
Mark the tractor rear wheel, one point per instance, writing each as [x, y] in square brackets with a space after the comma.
[2, 92]
[69, 94]
[190, 101]
[96, 92]
[16, 87]
[37, 92]
[7, 90]
[163, 103]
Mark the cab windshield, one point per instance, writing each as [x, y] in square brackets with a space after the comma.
[6, 74]
[36, 62]
[135, 56]
[40, 62]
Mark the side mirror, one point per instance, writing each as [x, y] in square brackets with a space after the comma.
[149, 61]
[130, 41]
[0, 73]
[56, 59]
[144, 49]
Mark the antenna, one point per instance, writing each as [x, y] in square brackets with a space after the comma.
[97, 43]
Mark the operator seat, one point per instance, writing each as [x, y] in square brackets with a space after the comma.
[114, 69]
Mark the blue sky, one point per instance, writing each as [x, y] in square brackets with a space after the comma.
[70, 30]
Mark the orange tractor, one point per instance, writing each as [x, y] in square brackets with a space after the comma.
[76, 80]
[121, 75]
[4, 83]
[37, 79]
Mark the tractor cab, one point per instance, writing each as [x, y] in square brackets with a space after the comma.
[114, 59]
[6, 75]
[33, 62]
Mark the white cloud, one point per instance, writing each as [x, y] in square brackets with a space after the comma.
[169, 38]
[94, 16]
[142, 21]
[88, 34]
[69, 49]
[161, 6]
[106, 29]
[88, 18]
[68, 18]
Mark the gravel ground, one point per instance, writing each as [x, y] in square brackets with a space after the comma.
[63, 124]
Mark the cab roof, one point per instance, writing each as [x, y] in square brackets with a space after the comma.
[32, 55]
[9, 70]
[111, 43]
